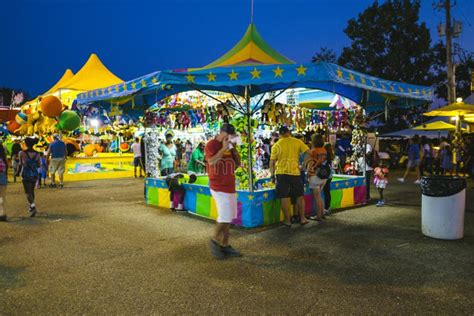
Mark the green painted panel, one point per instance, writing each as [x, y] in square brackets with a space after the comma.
[203, 205]
[336, 198]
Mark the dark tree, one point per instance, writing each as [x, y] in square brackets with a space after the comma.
[325, 54]
[464, 61]
[389, 41]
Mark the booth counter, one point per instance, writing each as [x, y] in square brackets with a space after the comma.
[101, 166]
[254, 208]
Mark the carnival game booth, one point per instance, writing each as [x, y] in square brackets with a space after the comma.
[248, 85]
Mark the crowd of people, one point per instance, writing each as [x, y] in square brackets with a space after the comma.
[438, 157]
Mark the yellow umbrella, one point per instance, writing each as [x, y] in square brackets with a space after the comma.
[454, 109]
[435, 126]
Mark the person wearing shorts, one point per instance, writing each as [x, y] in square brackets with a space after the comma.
[137, 157]
[222, 159]
[57, 152]
[285, 171]
[413, 159]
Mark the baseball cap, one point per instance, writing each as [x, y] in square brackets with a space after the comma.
[228, 128]
[283, 130]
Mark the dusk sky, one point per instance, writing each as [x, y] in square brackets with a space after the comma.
[41, 38]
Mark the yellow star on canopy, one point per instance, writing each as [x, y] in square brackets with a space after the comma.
[278, 72]
[339, 73]
[423, 91]
[233, 75]
[401, 89]
[255, 73]
[265, 195]
[124, 87]
[103, 90]
[301, 70]
[116, 88]
[373, 83]
[190, 78]
[143, 83]
[211, 77]
[351, 77]
[382, 85]
[250, 197]
[409, 90]
[417, 91]
[134, 85]
[110, 90]
[362, 80]
[154, 79]
[96, 93]
[163, 86]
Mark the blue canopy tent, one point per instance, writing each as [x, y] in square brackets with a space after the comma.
[251, 81]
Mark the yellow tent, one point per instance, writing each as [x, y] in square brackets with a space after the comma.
[436, 126]
[93, 75]
[68, 74]
[454, 109]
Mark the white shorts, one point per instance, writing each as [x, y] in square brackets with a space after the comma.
[226, 204]
[315, 182]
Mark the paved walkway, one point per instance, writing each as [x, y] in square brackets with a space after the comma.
[96, 248]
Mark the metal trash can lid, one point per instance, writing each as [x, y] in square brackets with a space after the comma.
[439, 186]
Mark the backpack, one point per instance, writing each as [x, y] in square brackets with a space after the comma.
[29, 172]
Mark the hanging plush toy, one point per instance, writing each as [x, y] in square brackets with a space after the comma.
[267, 106]
[278, 113]
[185, 120]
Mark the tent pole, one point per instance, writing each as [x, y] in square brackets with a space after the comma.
[248, 115]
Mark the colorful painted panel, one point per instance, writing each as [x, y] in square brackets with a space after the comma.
[257, 208]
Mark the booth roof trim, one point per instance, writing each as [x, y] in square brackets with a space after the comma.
[262, 78]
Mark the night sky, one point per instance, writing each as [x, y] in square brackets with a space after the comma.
[41, 38]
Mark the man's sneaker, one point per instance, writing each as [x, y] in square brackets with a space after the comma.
[52, 185]
[216, 250]
[417, 182]
[327, 212]
[401, 180]
[231, 252]
[379, 203]
[32, 211]
[61, 185]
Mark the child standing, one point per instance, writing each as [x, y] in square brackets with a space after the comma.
[380, 181]
[42, 171]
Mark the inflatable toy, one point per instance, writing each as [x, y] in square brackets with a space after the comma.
[124, 147]
[12, 126]
[51, 106]
[69, 121]
[90, 150]
[21, 118]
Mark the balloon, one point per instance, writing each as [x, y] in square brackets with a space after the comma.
[69, 121]
[12, 126]
[21, 118]
[51, 106]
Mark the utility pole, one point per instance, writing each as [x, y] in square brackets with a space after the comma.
[449, 54]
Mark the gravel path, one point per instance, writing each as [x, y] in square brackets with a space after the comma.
[96, 248]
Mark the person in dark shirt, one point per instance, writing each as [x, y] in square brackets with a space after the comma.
[15, 158]
[57, 150]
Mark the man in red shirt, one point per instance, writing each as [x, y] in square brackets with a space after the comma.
[222, 160]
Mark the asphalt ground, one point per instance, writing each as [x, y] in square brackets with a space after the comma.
[96, 248]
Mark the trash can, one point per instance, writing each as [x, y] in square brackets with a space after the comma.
[443, 202]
